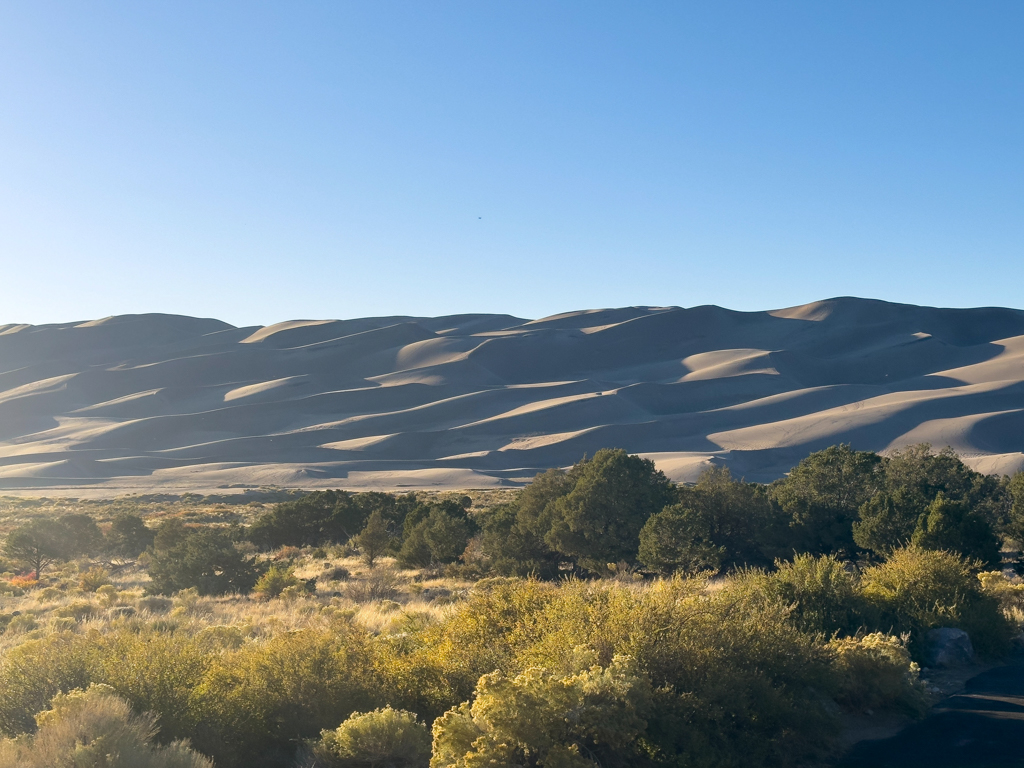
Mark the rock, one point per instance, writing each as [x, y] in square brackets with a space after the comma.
[948, 647]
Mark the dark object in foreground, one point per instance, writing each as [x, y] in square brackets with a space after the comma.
[983, 727]
[948, 647]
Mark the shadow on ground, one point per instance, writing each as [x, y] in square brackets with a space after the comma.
[982, 727]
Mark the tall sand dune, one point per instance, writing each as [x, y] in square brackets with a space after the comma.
[478, 400]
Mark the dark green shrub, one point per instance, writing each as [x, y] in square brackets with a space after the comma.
[510, 548]
[1015, 521]
[128, 536]
[205, 559]
[679, 538]
[446, 535]
[887, 521]
[737, 517]
[599, 521]
[952, 526]
[38, 543]
[513, 536]
[438, 538]
[822, 496]
[415, 551]
[319, 518]
[375, 539]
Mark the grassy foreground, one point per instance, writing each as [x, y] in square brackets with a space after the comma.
[343, 654]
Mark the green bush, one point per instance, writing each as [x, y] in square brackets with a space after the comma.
[1015, 518]
[383, 738]
[318, 518]
[510, 548]
[717, 522]
[599, 521]
[95, 728]
[591, 718]
[446, 535]
[128, 536]
[513, 539]
[875, 672]
[272, 583]
[734, 681]
[679, 538]
[887, 521]
[415, 551]
[203, 559]
[918, 589]
[823, 593]
[822, 496]
[32, 673]
[256, 703]
[156, 671]
[93, 579]
[375, 539]
[952, 525]
[38, 543]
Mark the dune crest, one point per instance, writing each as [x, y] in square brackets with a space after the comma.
[478, 400]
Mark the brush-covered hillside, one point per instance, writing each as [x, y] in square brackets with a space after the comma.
[481, 400]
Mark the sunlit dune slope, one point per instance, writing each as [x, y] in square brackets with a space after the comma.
[476, 400]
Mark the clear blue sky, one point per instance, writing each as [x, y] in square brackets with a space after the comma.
[260, 161]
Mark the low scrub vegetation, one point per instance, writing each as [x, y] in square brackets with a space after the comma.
[602, 616]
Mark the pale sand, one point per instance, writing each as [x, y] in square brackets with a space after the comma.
[181, 404]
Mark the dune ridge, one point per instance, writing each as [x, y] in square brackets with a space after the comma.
[144, 401]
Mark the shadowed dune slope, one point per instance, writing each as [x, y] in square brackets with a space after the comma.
[478, 400]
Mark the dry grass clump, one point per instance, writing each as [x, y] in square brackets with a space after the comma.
[389, 617]
[77, 610]
[1008, 590]
[154, 604]
[379, 584]
[94, 579]
[333, 573]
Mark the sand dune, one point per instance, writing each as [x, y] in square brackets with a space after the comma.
[478, 400]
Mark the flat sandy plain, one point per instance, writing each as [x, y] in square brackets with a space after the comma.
[163, 402]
